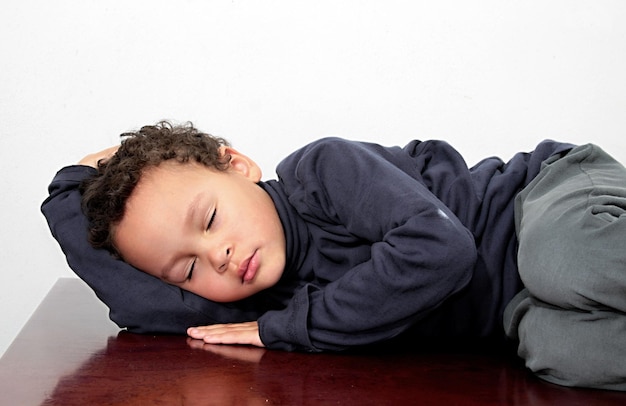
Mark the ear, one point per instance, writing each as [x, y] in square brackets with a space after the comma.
[242, 164]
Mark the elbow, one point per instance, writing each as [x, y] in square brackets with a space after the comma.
[461, 258]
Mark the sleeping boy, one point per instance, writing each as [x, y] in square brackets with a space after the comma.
[356, 244]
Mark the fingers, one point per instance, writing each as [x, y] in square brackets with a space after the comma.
[236, 333]
[96, 158]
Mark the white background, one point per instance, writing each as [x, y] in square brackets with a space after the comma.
[491, 77]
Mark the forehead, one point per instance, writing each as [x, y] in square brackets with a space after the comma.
[160, 202]
[172, 176]
[169, 183]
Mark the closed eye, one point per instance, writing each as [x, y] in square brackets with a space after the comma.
[211, 220]
[190, 273]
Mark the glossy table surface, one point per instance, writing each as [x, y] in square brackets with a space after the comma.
[69, 353]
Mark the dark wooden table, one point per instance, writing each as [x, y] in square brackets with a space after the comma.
[69, 353]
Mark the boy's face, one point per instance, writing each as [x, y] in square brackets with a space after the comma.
[214, 233]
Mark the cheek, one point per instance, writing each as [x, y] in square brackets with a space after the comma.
[217, 290]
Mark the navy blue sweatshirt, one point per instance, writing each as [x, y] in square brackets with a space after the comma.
[380, 241]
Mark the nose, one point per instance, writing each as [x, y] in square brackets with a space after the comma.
[219, 257]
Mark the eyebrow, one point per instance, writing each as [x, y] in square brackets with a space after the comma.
[190, 215]
[192, 209]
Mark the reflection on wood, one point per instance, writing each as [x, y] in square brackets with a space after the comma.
[87, 362]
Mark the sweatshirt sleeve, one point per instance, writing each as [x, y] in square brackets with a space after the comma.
[136, 300]
[421, 254]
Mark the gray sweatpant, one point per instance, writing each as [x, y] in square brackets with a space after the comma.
[570, 319]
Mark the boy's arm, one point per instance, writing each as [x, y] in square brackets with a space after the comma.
[94, 159]
[137, 301]
[421, 254]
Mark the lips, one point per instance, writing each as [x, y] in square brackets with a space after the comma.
[248, 268]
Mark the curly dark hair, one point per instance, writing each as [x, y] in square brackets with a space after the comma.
[104, 194]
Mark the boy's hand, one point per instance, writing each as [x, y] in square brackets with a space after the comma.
[235, 333]
[93, 159]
